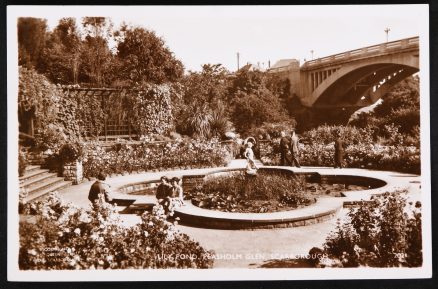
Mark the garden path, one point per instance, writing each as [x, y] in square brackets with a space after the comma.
[244, 248]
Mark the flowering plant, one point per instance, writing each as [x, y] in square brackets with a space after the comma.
[383, 233]
[67, 237]
[317, 149]
[144, 156]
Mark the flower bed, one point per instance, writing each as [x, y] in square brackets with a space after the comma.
[265, 192]
[382, 233]
[127, 158]
[64, 237]
[365, 148]
[370, 156]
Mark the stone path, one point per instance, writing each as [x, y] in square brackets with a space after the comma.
[242, 248]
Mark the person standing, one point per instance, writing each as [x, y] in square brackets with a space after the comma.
[284, 149]
[339, 150]
[99, 189]
[294, 149]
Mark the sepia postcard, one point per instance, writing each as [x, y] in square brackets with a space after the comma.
[161, 143]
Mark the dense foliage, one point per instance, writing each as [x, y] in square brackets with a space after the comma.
[150, 109]
[64, 237]
[263, 192]
[32, 34]
[399, 108]
[69, 55]
[62, 53]
[60, 118]
[253, 103]
[54, 116]
[362, 150]
[144, 58]
[127, 158]
[202, 110]
[383, 233]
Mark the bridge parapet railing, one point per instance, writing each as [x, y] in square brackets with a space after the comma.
[374, 49]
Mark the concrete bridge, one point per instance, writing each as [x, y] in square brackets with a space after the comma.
[353, 79]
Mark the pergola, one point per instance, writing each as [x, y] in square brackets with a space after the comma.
[113, 127]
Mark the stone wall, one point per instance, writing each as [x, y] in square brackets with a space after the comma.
[73, 172]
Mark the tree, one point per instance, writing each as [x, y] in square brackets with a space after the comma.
[62, 54]
[145, 58]
[209, 85]
[399, 107]
[202, 111]
[252, 110]
[278, 85]
[32, 34]
[96, 54]
[253, 103]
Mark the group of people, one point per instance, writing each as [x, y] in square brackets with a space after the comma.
[169, 192]
[289, 149]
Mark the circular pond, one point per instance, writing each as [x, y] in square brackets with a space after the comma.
[270, 190]
[323, 190]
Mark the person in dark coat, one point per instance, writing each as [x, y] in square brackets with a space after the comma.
[294, 149]
[99, 189]
[163, 189]
[339, 150]
[284, 149]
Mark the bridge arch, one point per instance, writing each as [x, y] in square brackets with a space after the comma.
[348, 84]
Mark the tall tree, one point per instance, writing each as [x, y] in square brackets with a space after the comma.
[32, 34]
[145, 58]
[201, 111]
[210, 85]
[253, 103]
[97, 55]
[63, 51]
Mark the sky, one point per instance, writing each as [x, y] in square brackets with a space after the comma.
[215, 34]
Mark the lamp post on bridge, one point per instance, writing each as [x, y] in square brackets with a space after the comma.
[387, 32]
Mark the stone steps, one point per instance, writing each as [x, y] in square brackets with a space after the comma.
[36, 173]
[37, 182]
[31, 168]
[38, 179]
[42, 192]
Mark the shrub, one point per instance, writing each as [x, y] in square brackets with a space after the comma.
[272, 130]
[382, 233]
[399, 108]
[252, 110]
[325, 134]
[150, 156]
[219, 123]
[237, 191]
[264, 185]
[396, 153]
[53, 112]
[197, 121]
[70, 152]
[64, 237]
